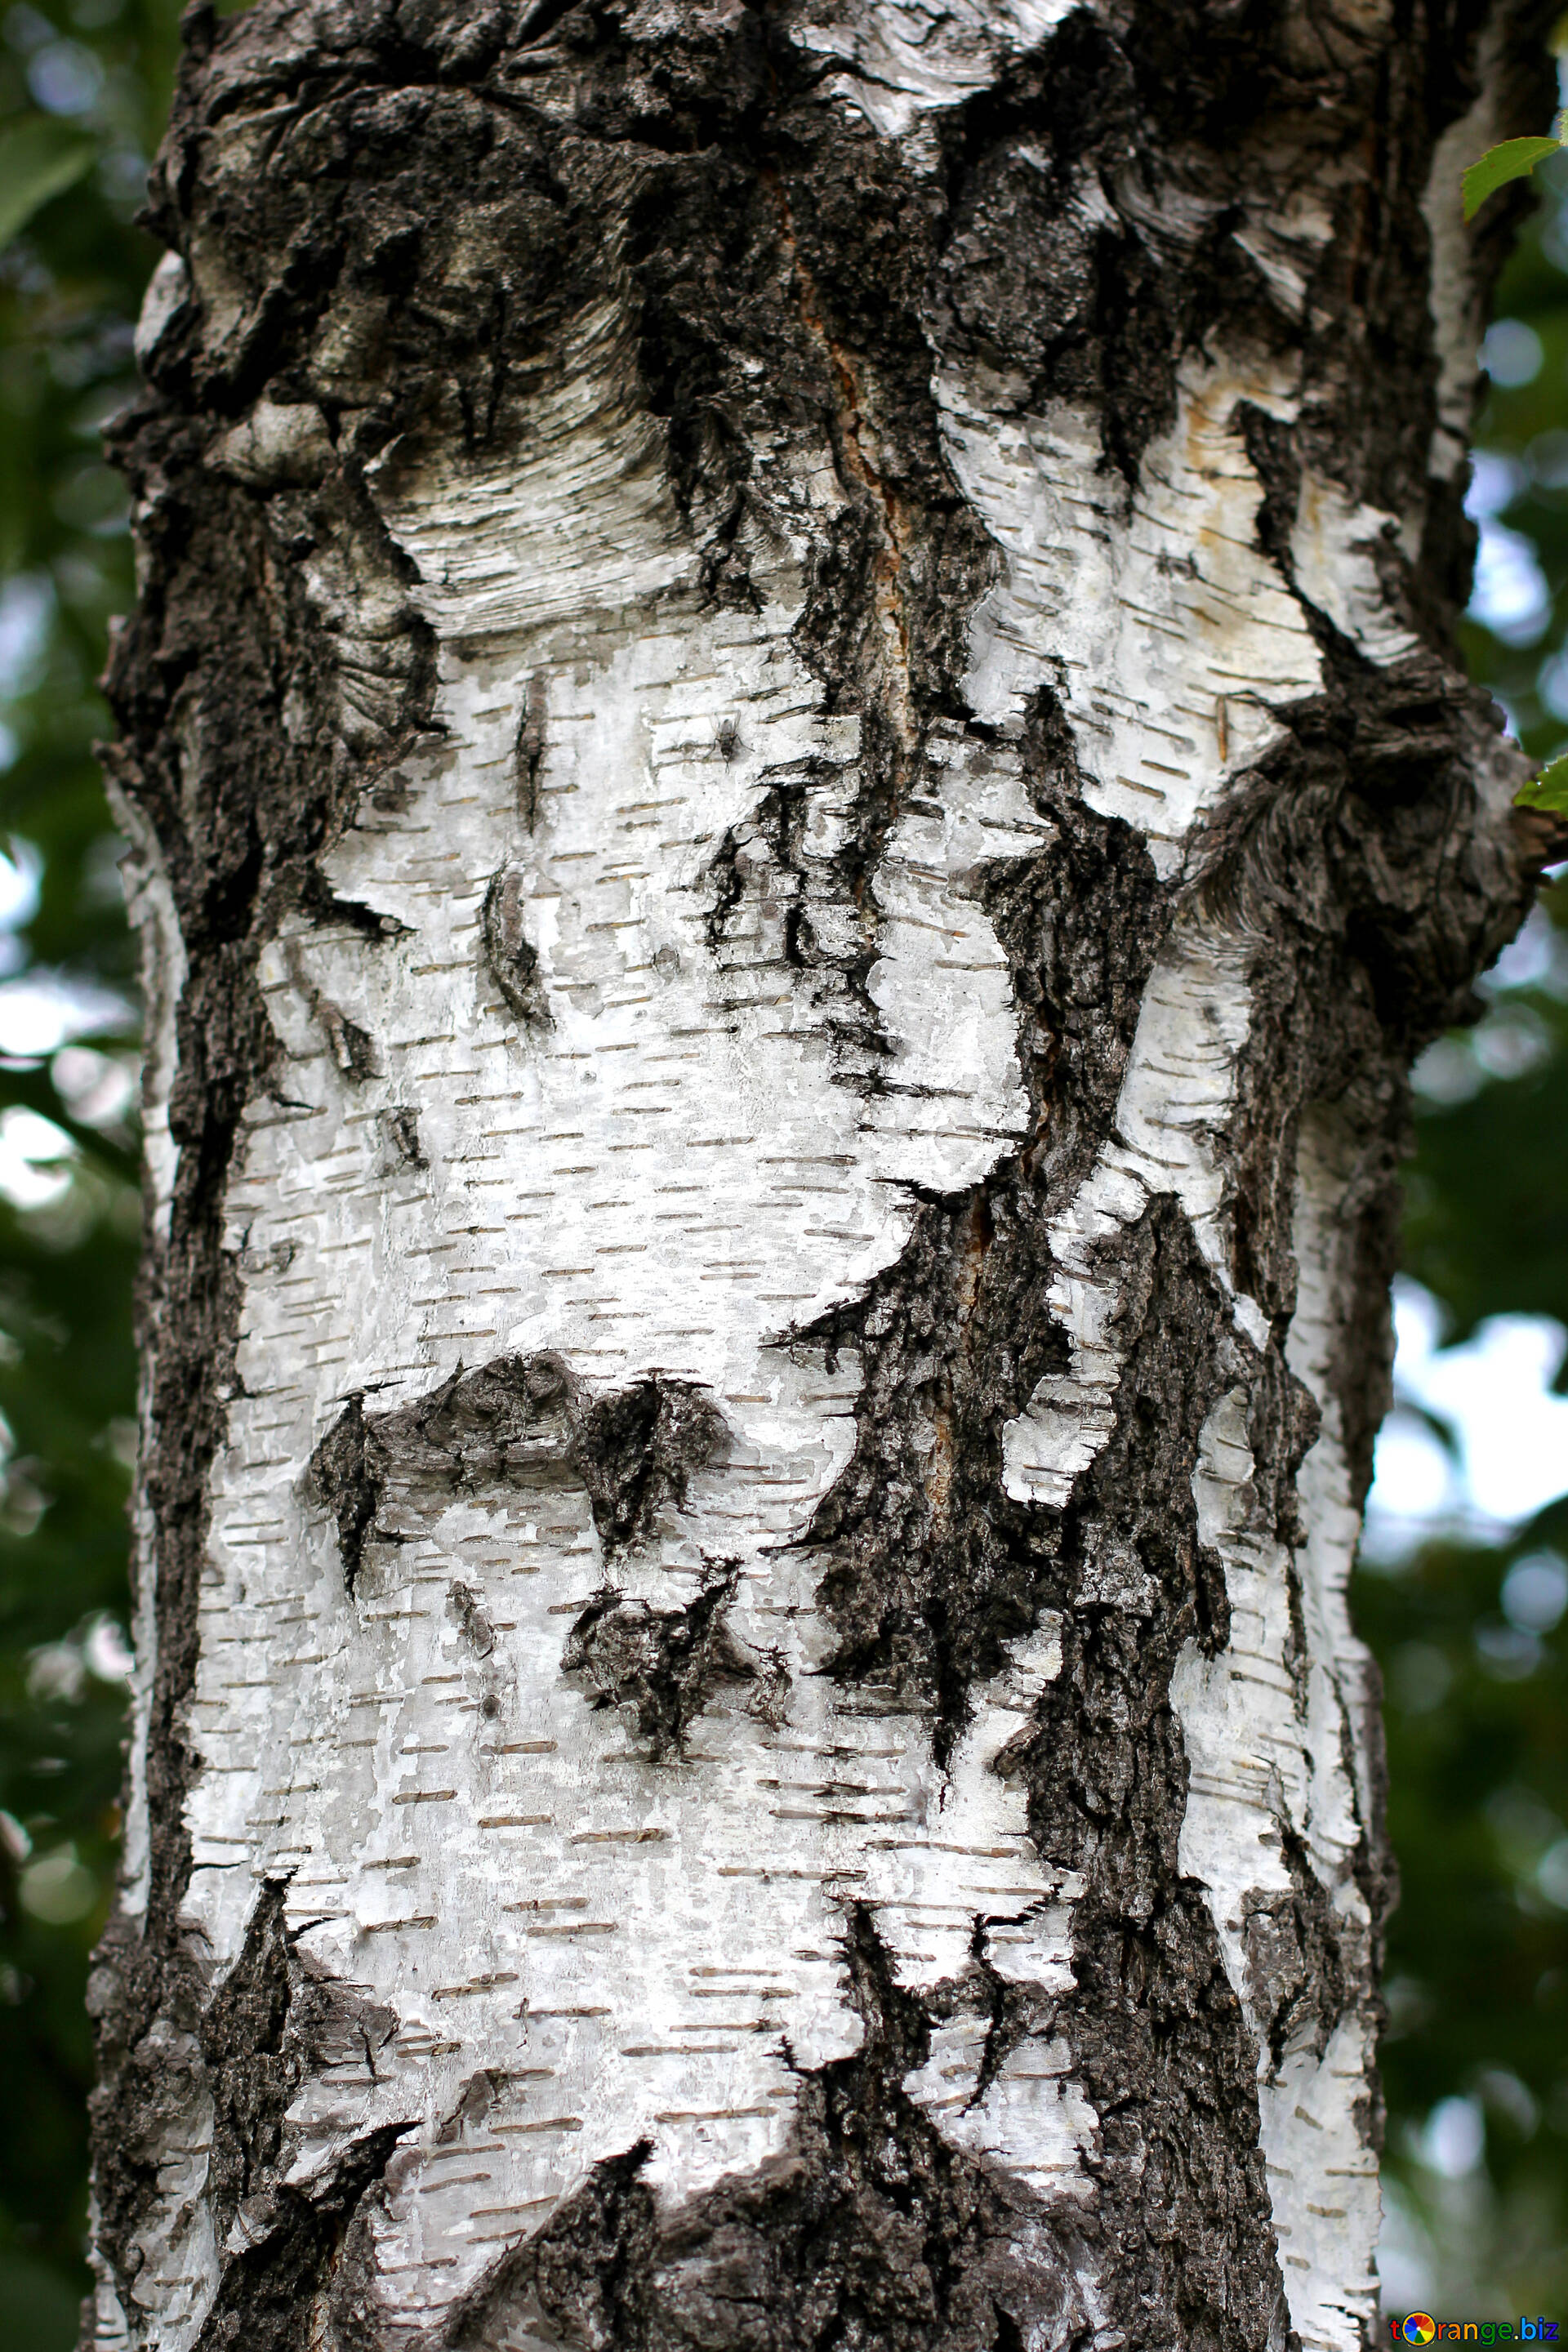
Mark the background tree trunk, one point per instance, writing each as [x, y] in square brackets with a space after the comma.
[798, 787]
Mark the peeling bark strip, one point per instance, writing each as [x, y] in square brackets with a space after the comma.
[799, 789]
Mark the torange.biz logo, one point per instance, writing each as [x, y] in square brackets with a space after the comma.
[1420, 2327]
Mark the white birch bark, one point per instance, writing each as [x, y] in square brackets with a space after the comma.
[524, 1757]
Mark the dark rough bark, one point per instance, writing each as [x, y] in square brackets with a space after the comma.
[873, 2230]
[391, 213]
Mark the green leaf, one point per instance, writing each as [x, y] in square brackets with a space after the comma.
[1515, 160]
[37, 159]
[1549, 790]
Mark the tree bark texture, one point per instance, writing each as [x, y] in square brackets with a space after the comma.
[798, 789]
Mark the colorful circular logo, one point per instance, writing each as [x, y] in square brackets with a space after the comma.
[1419, 2328]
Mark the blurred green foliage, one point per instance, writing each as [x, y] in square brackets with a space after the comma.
[1477, 1711]
[84, 82]
[1477, 1975]
[1476, 2057]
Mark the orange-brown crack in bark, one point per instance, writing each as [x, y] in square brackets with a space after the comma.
[856, 465]
[977, 1240]
[1028, 1158]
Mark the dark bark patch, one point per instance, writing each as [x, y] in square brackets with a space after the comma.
[1302, 1971]
[932, 1568]
[466, 1611]
[1013, 2012]
[527, 749]
[1050, 276]
[355, 1050]
[252, 2076]
[322, 903]
[1284, 1421]
[772, 903]
[246, 2047]
[1355, 838]
[638, 1449]
[510, 959]
[726, 882]
[769, 1701]
[475, 2101]
[269, 2300]
[1353, 858]
[1156, 2035]
[519, 1421]
[658, 1666]
[1081, 925]
[508, 1419]
[870, 2232]
[144, 2017]
[344, 1475]
[402, 1129]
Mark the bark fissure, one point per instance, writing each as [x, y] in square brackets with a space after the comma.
[1155, 2030]
[934, 1570]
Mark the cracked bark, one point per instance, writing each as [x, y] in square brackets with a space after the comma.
[798, 790]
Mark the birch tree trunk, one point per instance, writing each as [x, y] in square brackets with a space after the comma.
[798, 789]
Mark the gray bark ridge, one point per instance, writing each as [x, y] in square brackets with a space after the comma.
[799, 788]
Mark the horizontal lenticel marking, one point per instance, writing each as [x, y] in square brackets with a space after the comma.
[550, 2122]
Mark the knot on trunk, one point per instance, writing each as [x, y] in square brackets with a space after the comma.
[659, 1665]
[519, 1421]
[510, 959]
[636, 1450]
